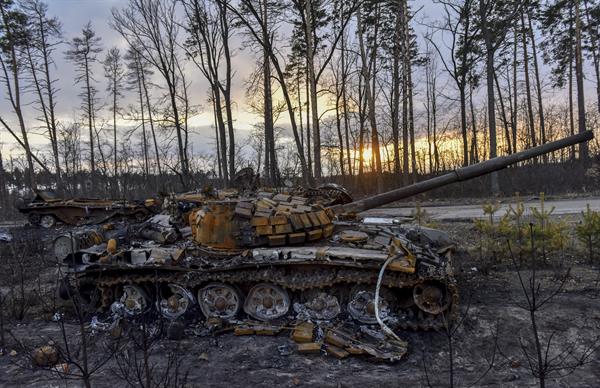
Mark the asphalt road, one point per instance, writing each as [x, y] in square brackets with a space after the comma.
[455, 212]
[465, 212]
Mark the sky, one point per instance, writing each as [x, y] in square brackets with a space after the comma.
[74, 14]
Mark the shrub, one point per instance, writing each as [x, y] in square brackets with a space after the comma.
[588, 232]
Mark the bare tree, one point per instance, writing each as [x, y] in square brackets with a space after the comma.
[431, 77]
[495, 19]
[458, 22]
[46, 34]
[453, 332]
[150, 27]
[137, 364]
[83, 51]
[253, 21]
[139, 72]
[208, 46]
[367, 73]
[543, 361]
[313, 17]
[12, 41]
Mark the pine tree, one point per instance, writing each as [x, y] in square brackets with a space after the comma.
[83, 52]
[114, 72]
[45, 35]
[14, 37]
[563, 27]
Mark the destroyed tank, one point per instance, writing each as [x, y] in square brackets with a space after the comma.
[274, 256]
[47, 208]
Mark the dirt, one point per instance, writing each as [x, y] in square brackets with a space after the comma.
[491, 326]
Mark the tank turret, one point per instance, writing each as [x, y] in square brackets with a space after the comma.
[281, 219]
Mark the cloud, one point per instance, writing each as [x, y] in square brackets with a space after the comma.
[74, 14]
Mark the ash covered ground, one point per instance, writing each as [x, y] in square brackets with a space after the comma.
[487, 344]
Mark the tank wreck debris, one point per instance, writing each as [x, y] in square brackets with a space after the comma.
[262, 262]
[47, 208]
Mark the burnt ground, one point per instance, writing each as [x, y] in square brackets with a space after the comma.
[492, 328]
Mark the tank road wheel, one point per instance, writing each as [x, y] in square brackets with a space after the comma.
[431, 298]
[219, 300]
[34, 218]
[322, 306]
[47, 221]
[266, 302]
[175, 301]
[362, 305]
[133, 301]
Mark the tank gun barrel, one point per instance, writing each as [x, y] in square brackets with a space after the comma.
[461, 174]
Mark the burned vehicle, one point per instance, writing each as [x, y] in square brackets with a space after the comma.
[245, 184]
[47, 207]
[274, 257]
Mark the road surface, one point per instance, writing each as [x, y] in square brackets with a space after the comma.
[453, 212]
[467, 212]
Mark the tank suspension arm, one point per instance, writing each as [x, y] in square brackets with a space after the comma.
[461, 174]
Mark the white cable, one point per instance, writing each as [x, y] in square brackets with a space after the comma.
[384, 327]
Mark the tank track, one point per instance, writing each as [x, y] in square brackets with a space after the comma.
[315, 278]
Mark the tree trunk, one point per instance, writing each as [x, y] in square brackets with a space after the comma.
[428, 114]
[45, 112]
[396, 89]
[367, 75]
[299, 90]
[462, 85]
[270, 156]
[15, 97]
[463, 123]
[530, 121]
[222, 135]
[280, 78]
[227, 89]
[115, 132]
[515, 111]
[308, 119]
[90, 108]
[51, 104]
[571, 110]
[436, 154]
[538, 85]
[310, 61]
[219, 159]
[345, 102]
[503, 112]
[595, 53]
[489, 64]
[411, 122]
[338, 124]
[3, 198]
[142, 111]
[362, 108]
[405, 149]
[150, 119]
[178, 131]
[474, 144]
[583, 147]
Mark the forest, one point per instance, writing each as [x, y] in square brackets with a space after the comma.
[298, 193]
[392, 90]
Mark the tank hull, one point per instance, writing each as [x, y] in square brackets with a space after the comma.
[341, 269]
